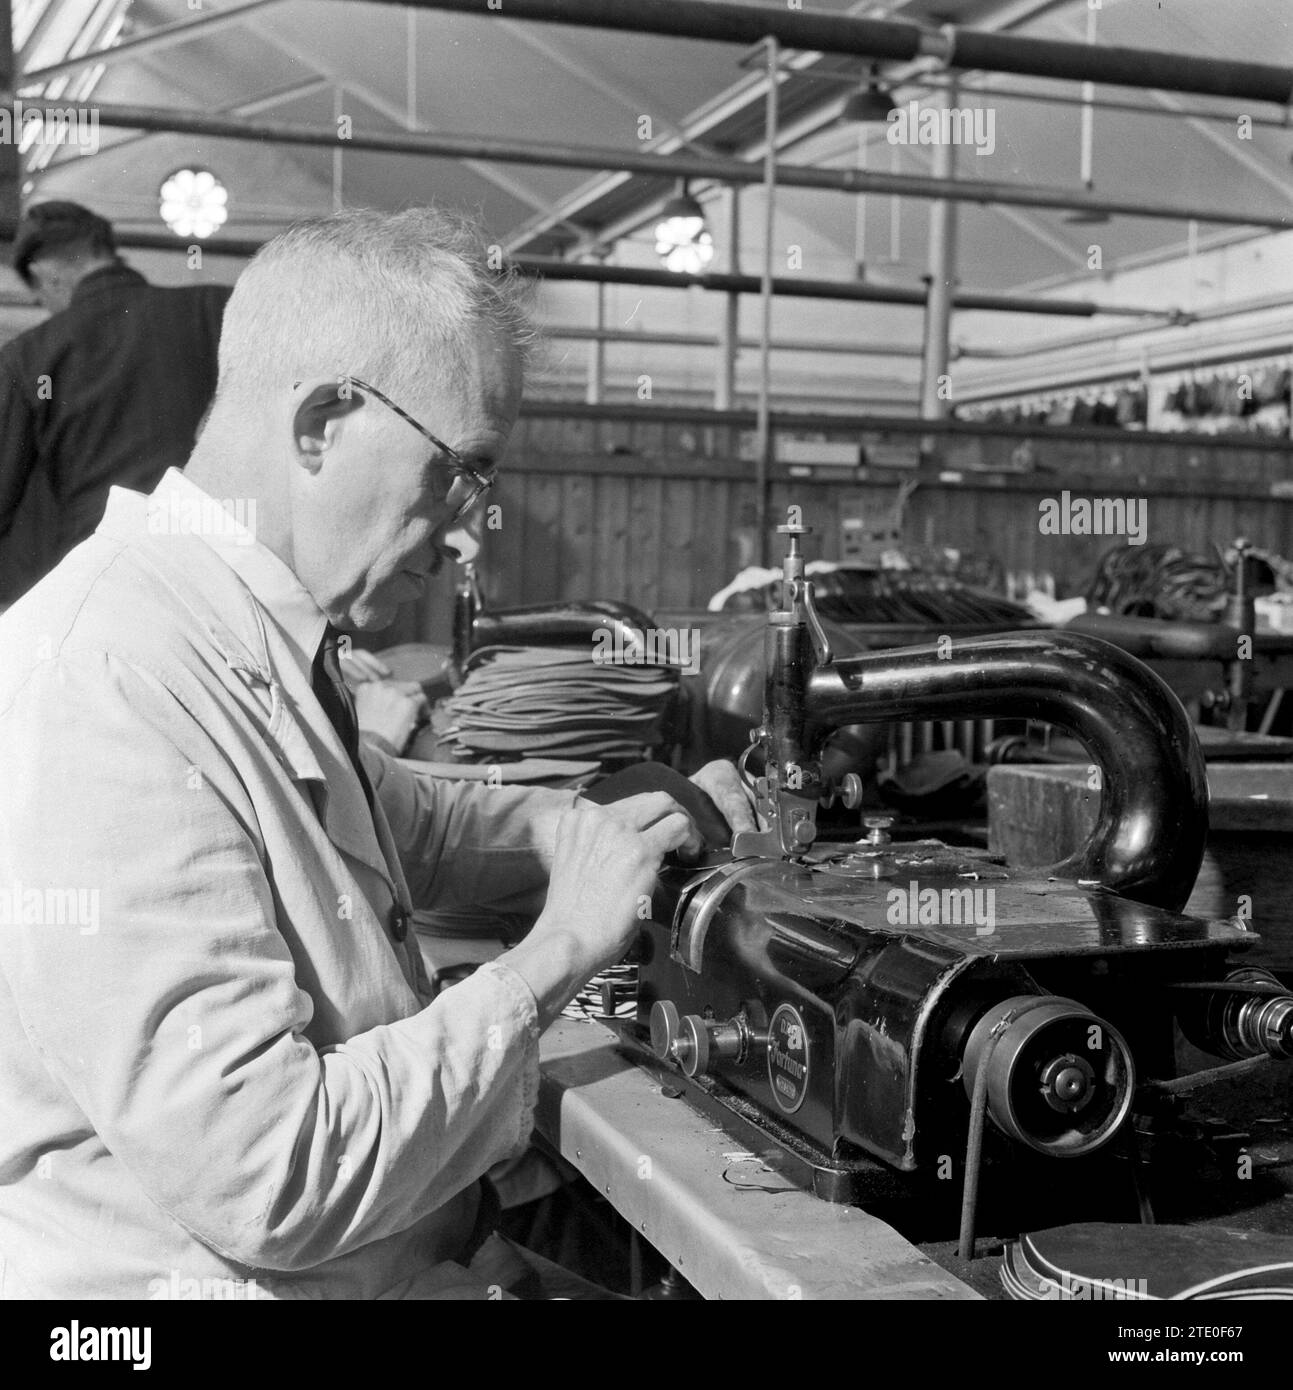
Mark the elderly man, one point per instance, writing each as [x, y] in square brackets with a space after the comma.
[219, 1058]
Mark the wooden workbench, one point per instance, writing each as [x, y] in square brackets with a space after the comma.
[732, 1228]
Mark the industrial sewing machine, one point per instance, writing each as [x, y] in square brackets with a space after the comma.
[837, 1003]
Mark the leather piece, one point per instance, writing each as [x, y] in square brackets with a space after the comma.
[1105, 1260]
[660, 777]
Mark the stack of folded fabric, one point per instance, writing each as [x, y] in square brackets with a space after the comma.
[557, 702]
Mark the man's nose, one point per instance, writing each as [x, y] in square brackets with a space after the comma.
[461, 544]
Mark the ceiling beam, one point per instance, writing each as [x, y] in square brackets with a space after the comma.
[167, 36]
[737, 98]
[242, 108]
[1227, 144]
[504, 182]
[617, 91]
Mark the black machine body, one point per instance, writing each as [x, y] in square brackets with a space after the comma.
[871, 997]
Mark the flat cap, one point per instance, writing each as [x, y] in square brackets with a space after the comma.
[49, 225]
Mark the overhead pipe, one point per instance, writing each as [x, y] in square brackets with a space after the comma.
[729, 338]
[1256, 305]
[843, 346]
[1102, 103]
[825, 289]
[954, 47]
[763, 429]
[673, 166]
[724, 282]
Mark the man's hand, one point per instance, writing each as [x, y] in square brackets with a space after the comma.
[358, 666]
[605, 863]
[389, 711]
[728, 792]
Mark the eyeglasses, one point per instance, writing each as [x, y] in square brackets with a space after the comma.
[475, 483]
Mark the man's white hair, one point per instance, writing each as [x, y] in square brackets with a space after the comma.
[394, 298]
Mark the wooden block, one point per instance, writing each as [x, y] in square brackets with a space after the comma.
[1038, 815]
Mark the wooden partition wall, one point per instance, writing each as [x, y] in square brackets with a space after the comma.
[658, 506]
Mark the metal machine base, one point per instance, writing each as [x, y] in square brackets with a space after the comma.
[846, 1179]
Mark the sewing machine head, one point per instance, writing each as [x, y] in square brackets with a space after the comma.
[869, 997]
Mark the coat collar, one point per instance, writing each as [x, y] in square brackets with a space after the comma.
[109, 277]
[258, 652]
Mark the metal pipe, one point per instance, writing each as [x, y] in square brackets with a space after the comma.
[708, 340]
[763, 429]
[873, 38]
[941, 286]
[10, 160]
[1120, 67]
[924, 85]
[827, 289]
[1259, 304]
[804, 288]
[597, 348]
[675, 166]
[729, 344]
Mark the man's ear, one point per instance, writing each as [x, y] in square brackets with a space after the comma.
[322, 406]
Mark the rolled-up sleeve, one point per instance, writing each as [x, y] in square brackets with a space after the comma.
[170, 1010]
[468, 844]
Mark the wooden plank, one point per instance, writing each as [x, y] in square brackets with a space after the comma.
[709, 565]
[610, 541]
[662, 1165]
[579, 578]
[642, 580]
[680, 529]
[502, 550]
[544, 544]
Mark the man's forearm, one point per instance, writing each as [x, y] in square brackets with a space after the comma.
[469, 844]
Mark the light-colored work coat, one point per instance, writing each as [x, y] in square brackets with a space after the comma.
[219, 1063]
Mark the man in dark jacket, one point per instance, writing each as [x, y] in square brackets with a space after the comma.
[109, 390]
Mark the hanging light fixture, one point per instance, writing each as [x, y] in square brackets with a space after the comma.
[869, 104]
[193, 202]
[682, 240]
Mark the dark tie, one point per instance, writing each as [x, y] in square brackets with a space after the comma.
[332, 693]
